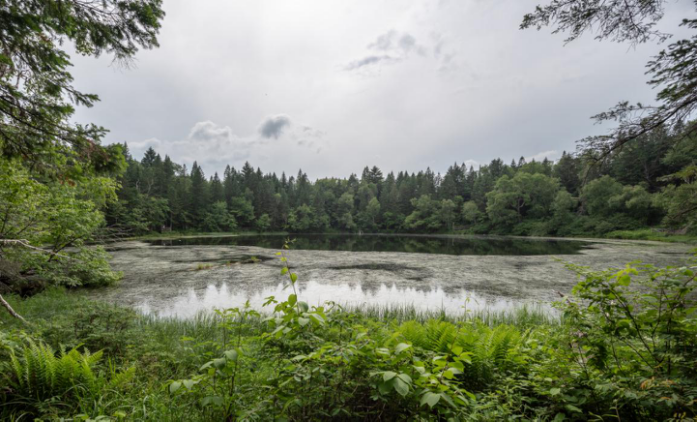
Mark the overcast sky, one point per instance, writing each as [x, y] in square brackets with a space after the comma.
[332, 86]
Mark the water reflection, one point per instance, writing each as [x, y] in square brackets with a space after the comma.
[223, 295]
[448, 245]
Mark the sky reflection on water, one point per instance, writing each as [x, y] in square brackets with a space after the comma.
[221, 295]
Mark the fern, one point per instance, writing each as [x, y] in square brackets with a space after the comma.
[441, 335]
[493, 350]
[37, 373]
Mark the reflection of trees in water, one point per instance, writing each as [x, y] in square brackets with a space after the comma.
[449, 245]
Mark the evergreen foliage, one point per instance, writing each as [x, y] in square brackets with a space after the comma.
[646, 184]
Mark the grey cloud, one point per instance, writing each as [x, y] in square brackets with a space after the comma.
[396, 42]
[310, 131]
[407, 42]
[384, 41]
[447, 63]
[396, 47]
[445, 57]
[370, 60]
[273, 126]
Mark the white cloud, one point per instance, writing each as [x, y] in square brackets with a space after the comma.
[208, 131]
[214, 146]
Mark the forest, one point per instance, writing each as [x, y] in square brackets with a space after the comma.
[648, 184]
[620, 345]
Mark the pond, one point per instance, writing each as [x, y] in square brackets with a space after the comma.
[182, 277]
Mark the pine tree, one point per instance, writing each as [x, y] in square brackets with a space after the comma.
[198, 196]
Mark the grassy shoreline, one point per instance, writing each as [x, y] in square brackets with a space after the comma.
[166, 351]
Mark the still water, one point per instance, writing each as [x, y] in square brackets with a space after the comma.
[448, 245]
[181, 277]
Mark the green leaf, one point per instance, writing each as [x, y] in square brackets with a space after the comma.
[231, 355]
[318, 319]
[304, 307]
[401, 387]
[293, 277]
[303, 321]
[431, 399]
[454, 370]
[405, 377]
[212, 401]
[420, 369]
[554, 391]
[401, 347]
[174, 386]
[292, 299]
[284, 270]
[573, 408]
[188, 384]
[388, 375]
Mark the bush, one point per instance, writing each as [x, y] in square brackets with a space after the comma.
[629, 346]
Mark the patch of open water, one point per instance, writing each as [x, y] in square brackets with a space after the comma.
[447, 245]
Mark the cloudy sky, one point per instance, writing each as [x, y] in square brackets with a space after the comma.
[330, 86]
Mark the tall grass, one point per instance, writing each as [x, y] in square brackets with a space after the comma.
[203, 325]
[521, 316]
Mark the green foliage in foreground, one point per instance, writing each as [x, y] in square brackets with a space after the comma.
[625, 349]
[60, 216]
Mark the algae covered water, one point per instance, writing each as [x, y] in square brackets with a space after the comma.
[181, 277]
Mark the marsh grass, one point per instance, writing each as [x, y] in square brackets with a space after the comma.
[55, 301]
[525, 315]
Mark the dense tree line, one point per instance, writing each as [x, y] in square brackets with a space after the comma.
[647, 183]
